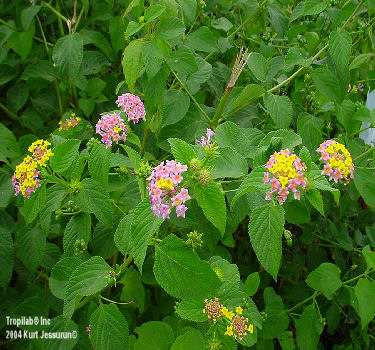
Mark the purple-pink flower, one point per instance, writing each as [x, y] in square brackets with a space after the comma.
[132, 106]
[287, 171]
[164, 189]
[111, 127]
[206, 140]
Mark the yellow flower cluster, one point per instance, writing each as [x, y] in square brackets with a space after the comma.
[69, 123]
[25, 178]
[239, 325]
[40, 151]
[338, 163]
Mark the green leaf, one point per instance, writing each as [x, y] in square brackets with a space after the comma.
[369, 256]
[310, 128]
[360, 60]
[152, 58]
[327, 83]
[134, 157]
[250, 94]
[34, 204]
[266, 229]
[99, 40]
[189, 8]
[258, 66]
[243, 141]
[60, 324]
[183, 61]
[87, 279]
[364, 180]
[109, 329]
[181, 273]
[296, 212]
[222, 23]
[190, 340]
[77, 229]
[191, 310]
[64, 154]
[93, 198]
[315, 199]
[153, 12]
[28, 14]
[229, 164]
[252, 283]
[170, 28]
[296, 56]
[143, 226]
[9, 147]
[154, 335]
[133, 28]
[280, 109]
[252, 182]
[365, 294]
[21, 42]
[68, 55]
[133, 290]
[326, 279]
[132, 63]
[314, 7]
[339, 48]
[54, 196]
[60, 275]
[31, 245]
[176, 105]
[201, 76]
[308, 329]
[117, 27]
[202, 40]
[277, 320]
[122, 236]
[6, 256]
[289, 139]
[211, 199]
[182, 151]
[99, 164]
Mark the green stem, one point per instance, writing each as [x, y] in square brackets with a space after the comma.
[359, 131]
[220, 108]
[9, 112]
[190, 95]
[364, 154]
[114, 302]
[317, 293]
[16, 30]
[145, 133]
[56, 12]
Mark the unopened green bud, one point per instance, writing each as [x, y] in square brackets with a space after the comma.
[204, 177]
[195, 164]
[194, 239]
[212, 150]
[43, 173]
[288, 237]
[144, 170]
[141, 19]
[76, 187]
[91, 143]
[80, 245]
[214, 344]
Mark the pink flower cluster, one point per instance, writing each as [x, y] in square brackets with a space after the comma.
[338, 163]
[132, 106]
[111, 127]
[206, 141]
[163, 189]
[287, 170]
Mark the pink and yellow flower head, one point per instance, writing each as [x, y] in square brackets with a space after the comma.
[40, 152]
[338, 164]
[164, 189]
[285, 174]
[25, 179]
[111, 127]
[70, 123]
[213, 309]
[132, 106]
[238, 324]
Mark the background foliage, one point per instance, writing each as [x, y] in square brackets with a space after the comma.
[86, 248]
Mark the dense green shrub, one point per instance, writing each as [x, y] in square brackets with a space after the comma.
[188, 174]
